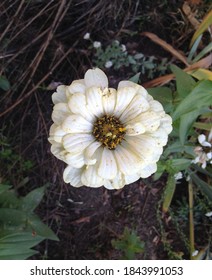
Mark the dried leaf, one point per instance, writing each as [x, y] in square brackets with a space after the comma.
[166, 46]
[82, 220]
[190, 15]
[194, 2]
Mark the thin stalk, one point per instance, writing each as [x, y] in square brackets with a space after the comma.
[191, 218]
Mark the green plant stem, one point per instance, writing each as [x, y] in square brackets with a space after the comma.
[191, 218]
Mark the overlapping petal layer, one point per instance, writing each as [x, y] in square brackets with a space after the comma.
[142, 124]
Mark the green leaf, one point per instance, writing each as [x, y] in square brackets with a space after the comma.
[203, 126]
[163, 95]
[16, 254]
[186, 122]
[33, 199]
[206, 22]
[201, 96]
[12, 217]
[202, 185]
[4, 83]
[40, 228]
[169, 193]
[20, 240]
[206, 50]
[135, 78]
[185, 83]
[194, 48]
[179, 164]
[4, 188]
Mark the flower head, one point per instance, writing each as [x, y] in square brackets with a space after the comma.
[106, 136]
[97, 44]
[203, 152]
[123, 48]
[86, 36]
[108, 64]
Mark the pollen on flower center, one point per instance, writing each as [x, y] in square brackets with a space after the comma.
[109, 131]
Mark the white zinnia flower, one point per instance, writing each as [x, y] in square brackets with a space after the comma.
[86, 36]
[108, 64]
[105, 136]
[97, 44]
[203, 152]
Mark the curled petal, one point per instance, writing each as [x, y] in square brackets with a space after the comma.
[77, 86]
[96, 78]
[60, 95]
[77, 105]
[90, 151]
[76, 143]
[91, 178]
[73, 176]
[60, 112]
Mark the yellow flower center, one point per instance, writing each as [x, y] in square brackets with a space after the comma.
[109, 131]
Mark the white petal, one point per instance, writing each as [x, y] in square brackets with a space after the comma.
[150, 120]
[143, 145]
[124, 84]
[89, 152]
[128, 162]
[58, 151]
[204, 164]
[75, 160]
[96, 78]
[51, 132]
[77, 86]
[201, 138]
[109, 100]
[129, 179]
[73, 176]
[77, 105]
[60, 95]
[209, 155]
[157, 107]
[166, 123]
[124, 97]
[206, 144]
[91, 178]
[161, 136]
[139, 89]
[58, 134]
[107, 168]
[143, 92]
[137, 106]
[135, 129]
[148, 170]
[117, 183]
[76, 143]
[60, 112]
[94, 101]
[76, 124]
